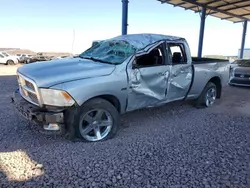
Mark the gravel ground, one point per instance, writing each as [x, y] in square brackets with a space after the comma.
[171, 146]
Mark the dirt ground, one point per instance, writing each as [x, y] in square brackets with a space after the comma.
[175, 145]
[8, 69]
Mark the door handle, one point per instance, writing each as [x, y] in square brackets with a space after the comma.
[133, 86]
[162, 74]
[165, 73]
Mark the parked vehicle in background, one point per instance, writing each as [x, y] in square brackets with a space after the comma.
[86, 95]
[240, 72]
[37, 58]
[62, 57]
[18, 56]
[8, 59]
[6, 54]
[24, 58]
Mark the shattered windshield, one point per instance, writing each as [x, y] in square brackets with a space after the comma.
[109, 51]
[242, 63]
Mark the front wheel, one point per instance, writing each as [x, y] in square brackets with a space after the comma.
[10, 62]
[208, 96]
[97, 120]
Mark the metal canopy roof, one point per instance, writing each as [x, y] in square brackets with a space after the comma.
[231, 10]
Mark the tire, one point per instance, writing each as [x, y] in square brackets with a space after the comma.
[10, 62]
[89, 123]
[207, 97]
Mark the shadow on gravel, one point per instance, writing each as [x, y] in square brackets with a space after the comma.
[12, 167]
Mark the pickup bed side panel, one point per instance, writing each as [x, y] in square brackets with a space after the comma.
[203, 73]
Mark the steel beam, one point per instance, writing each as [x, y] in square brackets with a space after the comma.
[202, 28]
[215, 9]
[124, 17]
[248, 14]
[234, 8]
[232, 3]
[243, 39]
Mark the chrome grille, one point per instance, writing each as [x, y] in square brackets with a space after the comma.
[242, 75]
[29, 85]
[33, 97]
[28, 89]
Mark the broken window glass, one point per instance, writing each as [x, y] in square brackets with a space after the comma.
[111, 51]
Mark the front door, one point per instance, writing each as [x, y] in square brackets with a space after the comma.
[148, 79]
[181, 72]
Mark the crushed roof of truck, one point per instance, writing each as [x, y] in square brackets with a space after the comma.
[140, 41]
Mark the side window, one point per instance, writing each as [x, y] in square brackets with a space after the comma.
[153, 58]
[177, 53]
[1, 56]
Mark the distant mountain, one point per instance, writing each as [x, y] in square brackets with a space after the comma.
[15, 51]
[20, 51]
[4, 49]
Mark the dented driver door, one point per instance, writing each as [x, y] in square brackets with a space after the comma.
[147, 85]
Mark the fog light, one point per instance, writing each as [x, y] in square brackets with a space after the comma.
[52, 127]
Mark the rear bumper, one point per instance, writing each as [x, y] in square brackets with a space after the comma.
[34, 113]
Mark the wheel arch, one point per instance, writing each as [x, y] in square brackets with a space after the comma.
[110, 98]
[217, 81]
[9, 60]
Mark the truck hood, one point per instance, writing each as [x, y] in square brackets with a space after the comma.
[49, 73]
[241, 70]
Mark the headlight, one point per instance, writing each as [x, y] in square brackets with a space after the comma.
[231, 72]
[56, 97]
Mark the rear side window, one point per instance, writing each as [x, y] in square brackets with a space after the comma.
[177, 53]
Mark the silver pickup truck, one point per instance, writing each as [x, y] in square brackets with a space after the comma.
[84, 96]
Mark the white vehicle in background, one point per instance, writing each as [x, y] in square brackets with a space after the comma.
[8, 55]
[8, 59]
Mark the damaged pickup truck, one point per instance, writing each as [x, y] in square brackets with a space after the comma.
[84, 96]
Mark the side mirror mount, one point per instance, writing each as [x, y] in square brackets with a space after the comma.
[135, 66]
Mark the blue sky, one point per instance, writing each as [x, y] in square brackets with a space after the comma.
[48, 25]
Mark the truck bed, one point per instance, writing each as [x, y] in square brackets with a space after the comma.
[205, 69]
[203, 60]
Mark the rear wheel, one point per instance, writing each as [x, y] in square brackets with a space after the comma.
[97, 120]
[10, 62]
[208, 96]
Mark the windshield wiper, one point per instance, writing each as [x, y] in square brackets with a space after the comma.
[94, 59]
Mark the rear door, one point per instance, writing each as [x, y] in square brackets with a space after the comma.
[181, 70]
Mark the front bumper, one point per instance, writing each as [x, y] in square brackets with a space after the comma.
[239, 81]
[36, 114]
